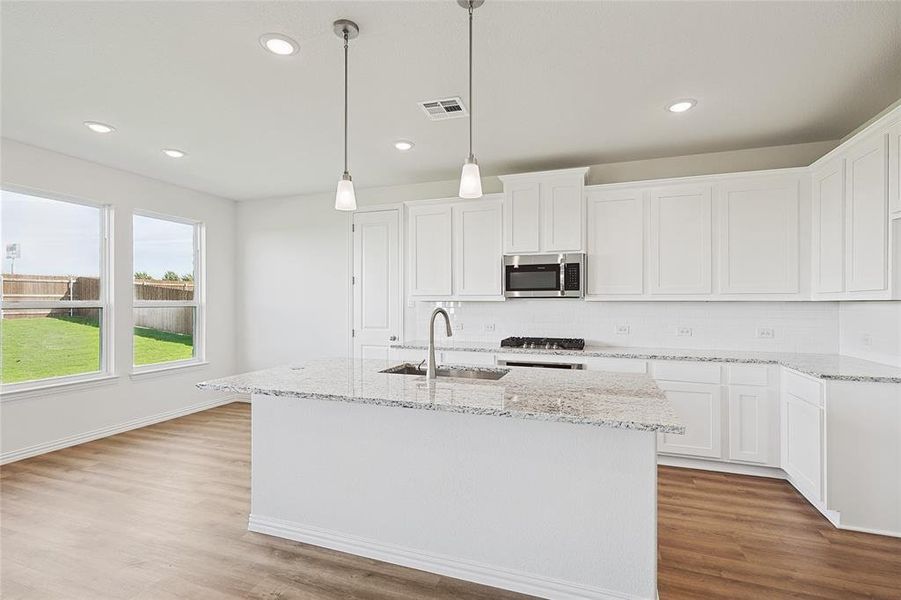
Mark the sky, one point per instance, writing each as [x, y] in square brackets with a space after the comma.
[62, 238]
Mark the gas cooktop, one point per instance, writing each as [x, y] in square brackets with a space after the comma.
[544, 343]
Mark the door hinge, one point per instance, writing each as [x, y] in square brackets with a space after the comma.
[353, 280]
[353, 227]
[353, 333]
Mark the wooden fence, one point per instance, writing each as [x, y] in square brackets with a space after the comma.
[69, 287]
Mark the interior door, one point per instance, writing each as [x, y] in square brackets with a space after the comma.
[376, 283]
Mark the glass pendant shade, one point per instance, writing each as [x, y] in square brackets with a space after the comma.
[345, 199]
[470, 180]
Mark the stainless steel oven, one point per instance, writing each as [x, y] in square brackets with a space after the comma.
[544, 276]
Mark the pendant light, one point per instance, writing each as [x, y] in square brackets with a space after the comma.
[345, 199]
[470, 178]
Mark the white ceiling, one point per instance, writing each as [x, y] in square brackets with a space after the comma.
[557, 84]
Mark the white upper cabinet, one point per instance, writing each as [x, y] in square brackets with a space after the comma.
[430, 247]
[477, 248]
[681, 228]
[522, 217]
[561, 225]
[615, 261]
[828, 227]
[543, 212]
[866, 216]
[894, 174]
[759, 235]
[454, 249]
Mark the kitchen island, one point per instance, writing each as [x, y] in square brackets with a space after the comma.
[541, 481]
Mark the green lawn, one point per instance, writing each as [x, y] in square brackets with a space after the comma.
[51, 347]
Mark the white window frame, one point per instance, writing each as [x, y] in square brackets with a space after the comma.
[198, 303]
[104, 303]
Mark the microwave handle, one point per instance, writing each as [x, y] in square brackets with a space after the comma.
[562, 278]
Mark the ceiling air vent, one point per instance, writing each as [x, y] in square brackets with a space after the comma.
[440, 110]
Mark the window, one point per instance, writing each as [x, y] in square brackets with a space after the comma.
[168, 292]
[55, 322]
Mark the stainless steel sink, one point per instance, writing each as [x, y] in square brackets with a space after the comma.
[457, 372]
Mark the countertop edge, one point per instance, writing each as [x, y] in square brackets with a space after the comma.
[653, 356]
[612, 423]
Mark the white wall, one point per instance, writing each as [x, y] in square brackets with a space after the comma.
[49, 419]
[798, 326]
[871, 330]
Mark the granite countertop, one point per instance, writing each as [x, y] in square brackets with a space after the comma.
[824, 366]
[621, 400]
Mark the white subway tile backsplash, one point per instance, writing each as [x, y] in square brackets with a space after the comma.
[797, 326]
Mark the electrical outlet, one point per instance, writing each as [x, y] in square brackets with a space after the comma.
[623, 330]
[766, 333]
[867, 340]
[410, 303]
[457, 326]
[489, 327]
[683, 331]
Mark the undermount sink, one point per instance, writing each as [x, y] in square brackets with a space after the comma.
[457, 372]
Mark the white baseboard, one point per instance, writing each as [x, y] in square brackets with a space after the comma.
[466, 570]
[96, 434]
[720, 467]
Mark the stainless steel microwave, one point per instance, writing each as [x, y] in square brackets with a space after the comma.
[544, 276]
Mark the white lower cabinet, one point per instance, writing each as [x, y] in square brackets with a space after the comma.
[699, 405]
[803, 434]
[752, 411]
[803, 445]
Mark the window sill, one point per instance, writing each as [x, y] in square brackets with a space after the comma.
[159, 370]
[43, 388]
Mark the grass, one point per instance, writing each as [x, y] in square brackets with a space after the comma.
[43, 347]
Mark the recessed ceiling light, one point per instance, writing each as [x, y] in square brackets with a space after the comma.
[279, 44]
[403, 145]
[680, 106]
[99, 127]
[173, 153]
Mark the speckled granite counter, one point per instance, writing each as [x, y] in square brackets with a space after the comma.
[824, 366]
[620, 400]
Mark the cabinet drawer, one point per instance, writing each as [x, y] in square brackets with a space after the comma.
[692, 372]
[620, 365]
[459, 357]
[748, 375]
[809, 390]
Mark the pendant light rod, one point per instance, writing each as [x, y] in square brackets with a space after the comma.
[345, 198]
[470, 177]
[345, 101]
[470, 80]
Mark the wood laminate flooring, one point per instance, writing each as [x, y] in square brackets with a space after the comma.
[160, 513]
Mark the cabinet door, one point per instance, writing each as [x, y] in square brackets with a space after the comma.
[866, 217]
[561, 225]
[680, 258]
[699, 406]
[522, 215]
[615, 262]
[430, 250]
[894, 173]
[751, 415]
[759, 237]
[828, 229]
[477, 249]
[802, 445]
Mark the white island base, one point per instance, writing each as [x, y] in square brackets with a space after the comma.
[552, 509]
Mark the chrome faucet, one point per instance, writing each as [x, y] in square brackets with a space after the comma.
[433, 368]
